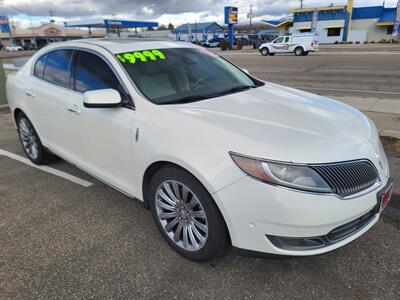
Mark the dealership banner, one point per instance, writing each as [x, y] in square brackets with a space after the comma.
[314, 21]
[231, 15]
[396, 27]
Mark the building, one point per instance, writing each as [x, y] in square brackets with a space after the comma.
[45, 34]
[198, 31]
[346, 23]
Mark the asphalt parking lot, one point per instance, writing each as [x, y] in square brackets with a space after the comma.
[65, 239]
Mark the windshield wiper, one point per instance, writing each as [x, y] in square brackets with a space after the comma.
[187, 99]
[233, 90]
[194, 98]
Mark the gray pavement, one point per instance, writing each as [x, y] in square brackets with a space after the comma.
[59, 240]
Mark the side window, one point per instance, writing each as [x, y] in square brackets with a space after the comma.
[39, 66]
[287, 39]
[279, 40]
[93, 73]
[57, 68]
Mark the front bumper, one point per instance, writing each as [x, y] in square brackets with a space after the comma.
[254, 212]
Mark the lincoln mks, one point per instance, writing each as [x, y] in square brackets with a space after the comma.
[219, 157]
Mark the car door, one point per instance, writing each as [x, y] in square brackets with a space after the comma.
[51, 97]
[105, 134]
[277, 45]
[286, 44]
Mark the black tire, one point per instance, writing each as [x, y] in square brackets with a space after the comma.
[217, 239]
[43, 155]
[299, 51]
[264, 51]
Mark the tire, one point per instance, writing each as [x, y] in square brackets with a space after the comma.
[203, 222]
[306, 53]
[31, 142]
[264, 52]
[299, 51]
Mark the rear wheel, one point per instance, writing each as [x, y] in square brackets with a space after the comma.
[31, 143]
[299, 51]
[186, 215]
[264, 52]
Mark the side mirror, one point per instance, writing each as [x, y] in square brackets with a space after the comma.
[246, 71]
[101, 98]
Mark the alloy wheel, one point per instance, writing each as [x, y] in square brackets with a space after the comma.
[28, 138]
[181, 215]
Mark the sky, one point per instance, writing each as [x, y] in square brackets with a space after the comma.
[164, 11]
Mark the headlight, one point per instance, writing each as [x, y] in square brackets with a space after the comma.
[299, 177]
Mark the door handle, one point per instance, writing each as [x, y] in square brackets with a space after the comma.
[29, 93]
[74, 109]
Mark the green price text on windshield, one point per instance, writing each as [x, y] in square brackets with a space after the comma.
[141, 56]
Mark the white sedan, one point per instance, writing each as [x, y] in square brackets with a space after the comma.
[220, 157]
[13, 48]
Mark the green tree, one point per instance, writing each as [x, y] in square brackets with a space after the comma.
[171, 26]
[162, 27]
[150, 29]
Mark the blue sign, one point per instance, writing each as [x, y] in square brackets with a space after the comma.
[4, 24]
[231, 15]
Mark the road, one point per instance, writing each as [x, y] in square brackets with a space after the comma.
[361, 74]
[62, 239]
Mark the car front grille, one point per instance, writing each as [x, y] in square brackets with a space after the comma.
[348, 178]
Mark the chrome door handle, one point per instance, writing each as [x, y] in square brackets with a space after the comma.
[29, 93]
[74, 109]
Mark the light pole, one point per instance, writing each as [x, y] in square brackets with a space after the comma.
[30, 21]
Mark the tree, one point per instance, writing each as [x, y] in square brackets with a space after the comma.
[150, 29]
[170, 26]
[162, 27]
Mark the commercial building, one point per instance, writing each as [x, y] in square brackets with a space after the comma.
[337, 24]
[45, 34]
[198, 31]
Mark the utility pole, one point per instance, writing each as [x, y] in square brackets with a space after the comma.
[30, 21]
[301, 4]
[251, 14]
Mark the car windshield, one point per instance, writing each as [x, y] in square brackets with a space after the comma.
[182, 75]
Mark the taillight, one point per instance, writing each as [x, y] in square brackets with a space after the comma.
[312, 44]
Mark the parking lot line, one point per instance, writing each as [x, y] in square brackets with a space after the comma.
[47, 169]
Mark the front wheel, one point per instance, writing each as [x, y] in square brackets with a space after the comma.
[264, 52]
[186, 215]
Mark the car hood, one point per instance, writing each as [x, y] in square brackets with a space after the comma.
[285, 124]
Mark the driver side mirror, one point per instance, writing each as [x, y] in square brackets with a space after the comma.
[246, 71]
[105, 98]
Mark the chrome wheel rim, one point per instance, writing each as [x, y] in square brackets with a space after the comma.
[28, 138]
[181, 215]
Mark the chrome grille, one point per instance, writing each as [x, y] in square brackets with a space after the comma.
[348, 178]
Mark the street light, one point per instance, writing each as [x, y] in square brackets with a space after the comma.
[30, 20]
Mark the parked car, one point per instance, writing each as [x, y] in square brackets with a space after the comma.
[217, 155]
[212, 43]
[14, 48]
[297, 44]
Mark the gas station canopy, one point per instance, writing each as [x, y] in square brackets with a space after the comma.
[110, 23]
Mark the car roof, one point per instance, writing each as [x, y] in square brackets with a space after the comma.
[119, 45]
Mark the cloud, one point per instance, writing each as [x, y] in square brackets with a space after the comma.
[164, 11]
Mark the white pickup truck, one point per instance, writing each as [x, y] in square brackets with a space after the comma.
[298, 44]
